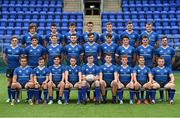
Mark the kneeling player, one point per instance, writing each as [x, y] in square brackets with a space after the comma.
[163, 77]
[41, 78]
[90, 76]
[22, 78]
[56, 79]
[72, 79]
[108, 78]
[125, 73]
[142, 79]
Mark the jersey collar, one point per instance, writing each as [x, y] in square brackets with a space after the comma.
[125, 46]
[145, 46]
[109, 43]
[56, 66]
[108, 65]
[124, 66]
[32, 34]
[73, 66]
[54, 45]
[141, 66]
[129, 32]
[148, 32]
[161, 67]
[91, 43]
[41, 68]
[34, 47]
[90, 65]
[13, 47]
[72, 33]
[24, 67]
[165, 47]
[73, 45]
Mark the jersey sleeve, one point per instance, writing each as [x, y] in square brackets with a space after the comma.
[153, 71]
[15, 73]
[134, 70]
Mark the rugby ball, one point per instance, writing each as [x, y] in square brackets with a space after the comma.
[90, 77]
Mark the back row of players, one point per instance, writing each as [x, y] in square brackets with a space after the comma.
[72, 46]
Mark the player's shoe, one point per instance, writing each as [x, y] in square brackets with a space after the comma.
[30, 102]
[120, 102]
[18, 100]
[8, 100]
[171, 101]
[146, 101]
[153, 102]
[161, 100]
[130, 102]
[50, 102]
[45, 101]
[138, 102]
[78, 102]
[37, 102]
[12, 102]
[66, 102]
[59, 102]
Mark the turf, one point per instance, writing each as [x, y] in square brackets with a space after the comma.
[89, 110]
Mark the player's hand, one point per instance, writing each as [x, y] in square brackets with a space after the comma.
[44, 82]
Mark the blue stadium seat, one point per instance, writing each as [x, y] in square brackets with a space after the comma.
[35, 21]
[52, 8]
[11, 22]
[20, 2]
[52, 2]
[46, 2]
[166, 7]
[120, 23]
[79, 30]
[9, 30]
[42, 15]
[151, 2]
[38, 8]
[134, 15]
[32, 8]
[144, 1]
[64, 23]
[111, 16]
[25, 8]
[159, 30]
[137, 29]
[145, 7]
[50, 15]
[64, 30]
[175, 30]
[20, 15]
[18, 8]
[41, 30]
[138, 1]
[173, 21]
[2, 31]
[27, 15]
[4, 7]
[39, 2]
[139, 7]
[156, 14]
[79, 15]
[26, 22]
[159, 7]
[5, 15]
[124, 1]
[35, 15]
[157, 22]
[24, 30]
[152, 7]
[49, 22]
[17, 31]
[79, 24]
[11, 7]
[142, 22]
[172, 14]
[131, 2]
[113, 21]
[72, 20]
[135, 22]
[65, 15]
[45, 8]
[173, 7]
[72, 16]
[3, 22]
[132, 7]
[165, 22]
[149, 15]
[120, 30]
[126, 15]
[42, 23]
[119, 15]
[141, 15]
[12, 15]
[32, 2]
[125, 7]
[57, 22]
[167, 30]
[18, 23]
[164, 14]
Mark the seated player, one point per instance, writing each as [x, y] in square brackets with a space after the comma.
[163, 77]
[34, 51]
[22, 78]
[142, 79]
[73, 77]
[41, 78]
[56, 79]
[11, 57]
[125, 73]
[90, 76]
[108, 77]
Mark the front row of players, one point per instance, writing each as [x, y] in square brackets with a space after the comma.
[94, 77]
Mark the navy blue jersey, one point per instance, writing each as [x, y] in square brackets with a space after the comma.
[94, 70]
[148, 53]
[108, 72]
[57, 73]
[40, 74]
[153, 37]
[52, 51]
[27, 39]
[13, 55]
[23, 74]
[129, 51]
[142, 74]
[125, 74]
[91, 49]
[85, 37]
[73, 73]
[115, 37]
[33, 54]
[73, 51]
[167, 53]
[161, 75]
[133, 37]
[68, 36]
[60, 38]
[109, 48]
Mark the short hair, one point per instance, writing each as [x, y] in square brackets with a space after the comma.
[23, 57]
[89, 55]
[108, 54]
[41, 58]
[141, 57]
[90, 34]
[145, 36]
[108, 23]
[34, 37]
[89, 23]
[13, 37]
[53, 24]
[72, 24]
[125, 37]
[161, 58]
[129, 22]
[53, 35]
[57, 56]
[109, 35]
[163, 37]
[149, 23]
[31, 25]
[124, 56]
[73, 57]
[73, 34]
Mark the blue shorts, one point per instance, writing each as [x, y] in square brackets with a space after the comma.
[108, 83]
[73, 82]
[23, 83]
[125, 82]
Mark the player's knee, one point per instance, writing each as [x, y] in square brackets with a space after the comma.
[83, 83]
[97, 83]
[156, 86]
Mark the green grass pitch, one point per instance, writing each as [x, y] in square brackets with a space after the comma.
[89, 110]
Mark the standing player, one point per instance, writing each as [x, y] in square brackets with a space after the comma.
[41, 78]
[166, 52]
[126, 49]
[147, 51]
[22, 78]
[153, 36]
[90, 30]
[73, 77]
[125, 80]
[73, 50]
[56, 79]
[163, 77]
[109, 27]
[26, 40]
[72, 30]
[90, 75]
[108, 77]
[11, 57]
[34, 51]
[108, 47]
[133, 36]
[54, 49]
[142, 79]
[91, 48]
[60, 38]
